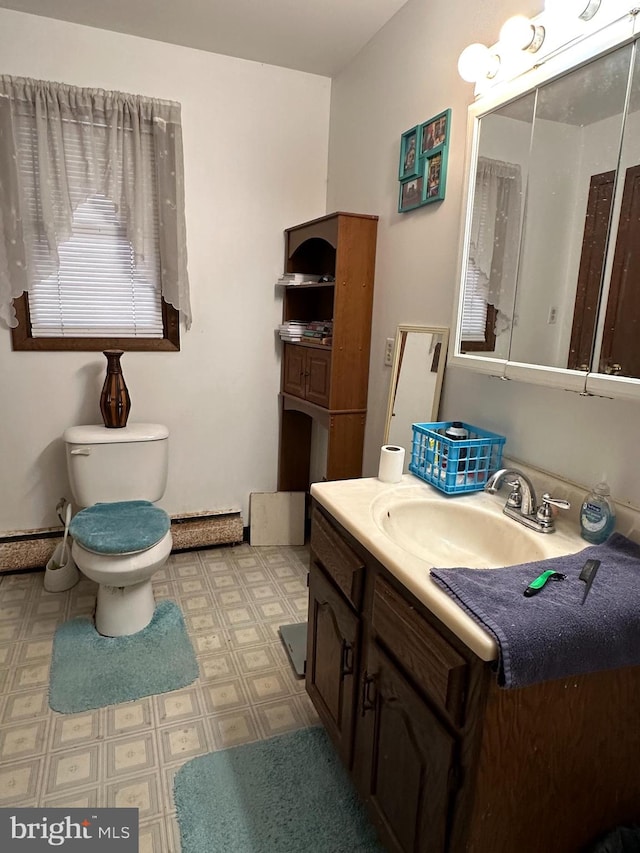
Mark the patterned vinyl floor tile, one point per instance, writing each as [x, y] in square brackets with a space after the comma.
[233, 599]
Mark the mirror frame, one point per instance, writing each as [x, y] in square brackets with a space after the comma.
[395, 372]
[557, 63]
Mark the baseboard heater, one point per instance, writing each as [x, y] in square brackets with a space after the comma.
[203, 529]
[30, 549]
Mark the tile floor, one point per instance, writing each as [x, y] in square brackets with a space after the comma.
[233, 599]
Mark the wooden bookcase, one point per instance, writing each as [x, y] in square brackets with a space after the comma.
[319, 382]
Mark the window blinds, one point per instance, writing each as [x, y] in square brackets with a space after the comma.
[98, 290]
[474, 306]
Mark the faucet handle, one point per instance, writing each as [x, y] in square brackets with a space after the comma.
[547, 500]
[515, 495]
[544, 514]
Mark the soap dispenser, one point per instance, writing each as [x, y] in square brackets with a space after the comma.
[598, 515]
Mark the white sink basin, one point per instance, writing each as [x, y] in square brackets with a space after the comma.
[470, 531]
[410, 528]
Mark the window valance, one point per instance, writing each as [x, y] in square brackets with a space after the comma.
[87, 143]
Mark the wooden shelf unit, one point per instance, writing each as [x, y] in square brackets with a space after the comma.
[330, 388]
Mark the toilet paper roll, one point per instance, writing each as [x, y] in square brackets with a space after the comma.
[391, 463]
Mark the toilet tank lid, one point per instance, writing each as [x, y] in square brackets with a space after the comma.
[100, 434]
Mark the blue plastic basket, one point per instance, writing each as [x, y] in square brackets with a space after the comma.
[455, 467]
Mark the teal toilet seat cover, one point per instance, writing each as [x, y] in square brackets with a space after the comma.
[120, 528]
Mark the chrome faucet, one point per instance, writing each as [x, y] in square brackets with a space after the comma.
[522, 504]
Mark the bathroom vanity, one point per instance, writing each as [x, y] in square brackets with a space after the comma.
[405, 684]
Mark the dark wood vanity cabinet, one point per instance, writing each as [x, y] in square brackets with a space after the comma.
[444, 759]
[405, 758]
[334, 641]
[390, 690]
[407, 746]
[333, 633]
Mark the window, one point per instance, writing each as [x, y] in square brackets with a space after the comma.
[478, 317]
[99, 246]
[489, 283]
[98, 290]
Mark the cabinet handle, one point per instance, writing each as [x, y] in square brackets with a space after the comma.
[368, 698]
[347, 660]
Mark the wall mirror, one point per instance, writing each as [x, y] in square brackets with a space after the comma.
[550, 259]
[419, 357]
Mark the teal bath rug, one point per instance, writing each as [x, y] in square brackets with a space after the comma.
[91, 671]
[284, 795]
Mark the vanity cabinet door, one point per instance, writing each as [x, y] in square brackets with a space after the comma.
[404, 760]
[332, 660]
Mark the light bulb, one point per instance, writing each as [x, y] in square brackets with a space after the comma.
[519, 33]
[584, 9]
[476, 61]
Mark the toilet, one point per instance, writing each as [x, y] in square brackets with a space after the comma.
[119, 537]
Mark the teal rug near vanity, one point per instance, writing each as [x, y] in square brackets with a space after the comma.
[284, 795]
[91, 671]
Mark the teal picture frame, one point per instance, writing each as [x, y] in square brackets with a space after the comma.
[435, 176]
[434, 133]
[409, 166]
[429, 176]
[411, 193]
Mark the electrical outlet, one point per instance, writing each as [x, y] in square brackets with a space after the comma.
[553, 315]
[388, 351]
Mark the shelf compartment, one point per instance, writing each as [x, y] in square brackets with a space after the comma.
[309, 303]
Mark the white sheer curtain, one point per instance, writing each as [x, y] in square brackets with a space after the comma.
[495, 229]
[88, 142]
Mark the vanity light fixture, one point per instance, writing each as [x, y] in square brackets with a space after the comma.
[584, 9]
[520, 33]
[477, 62]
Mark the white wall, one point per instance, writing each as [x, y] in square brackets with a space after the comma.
[256, 147]
[256, 143]
[406, 74]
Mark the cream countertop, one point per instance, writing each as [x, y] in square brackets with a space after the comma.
[351, 503]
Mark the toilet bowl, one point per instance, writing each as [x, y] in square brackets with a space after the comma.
[105, 537]
[120, 539]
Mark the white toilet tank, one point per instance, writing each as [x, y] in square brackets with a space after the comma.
[108, 465]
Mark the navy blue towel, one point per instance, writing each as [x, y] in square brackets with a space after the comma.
[552, 635]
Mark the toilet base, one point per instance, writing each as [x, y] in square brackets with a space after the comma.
[124, 610]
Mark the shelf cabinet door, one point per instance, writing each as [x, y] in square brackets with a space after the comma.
[307, 373]
[404, 760]
[332, 660]
[293, 378]
[318, 376]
